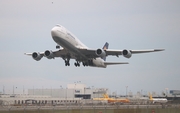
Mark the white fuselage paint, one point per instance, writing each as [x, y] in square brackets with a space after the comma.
[159, 100]
[68, 41]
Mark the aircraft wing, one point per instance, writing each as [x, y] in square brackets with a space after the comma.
[56, 53]
[89, 53]
[120, 52]
[126, 53]
[146, 51]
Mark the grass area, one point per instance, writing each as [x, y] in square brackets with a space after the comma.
[150, 110]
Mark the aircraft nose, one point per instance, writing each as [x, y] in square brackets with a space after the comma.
[54, 31]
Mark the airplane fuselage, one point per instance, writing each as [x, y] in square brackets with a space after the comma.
[159, 100]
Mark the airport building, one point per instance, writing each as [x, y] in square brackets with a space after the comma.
[174, 92]
[72, 91]
[73, 94]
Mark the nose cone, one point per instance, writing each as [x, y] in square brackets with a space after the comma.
[54, 31]
[54, 34]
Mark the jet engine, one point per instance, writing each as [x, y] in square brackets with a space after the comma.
[126, 53]
[101, 53]
[37, 56]
[49, 54]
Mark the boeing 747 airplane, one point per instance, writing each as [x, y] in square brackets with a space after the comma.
[73, 48]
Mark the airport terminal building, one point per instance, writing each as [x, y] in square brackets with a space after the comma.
[72, 91]
[73, 94]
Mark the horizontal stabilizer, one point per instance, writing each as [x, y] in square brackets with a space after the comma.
[115, 63]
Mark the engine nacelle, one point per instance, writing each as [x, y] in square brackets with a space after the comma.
[126, 53]
[49, 54]
[101, 53]
[37, 56]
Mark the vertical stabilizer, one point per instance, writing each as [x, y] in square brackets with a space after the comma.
[106, 45]
[105, 96]
[150, 96]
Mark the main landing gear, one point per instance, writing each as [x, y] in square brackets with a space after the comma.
[85, 64]
[77, 64]
[67, 62]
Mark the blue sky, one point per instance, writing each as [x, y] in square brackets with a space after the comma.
[126, 24]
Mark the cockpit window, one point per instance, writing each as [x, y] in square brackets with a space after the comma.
[58, 25]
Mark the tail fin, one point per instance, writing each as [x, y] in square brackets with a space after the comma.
[105, 96]
[106, 45]
[150, 96]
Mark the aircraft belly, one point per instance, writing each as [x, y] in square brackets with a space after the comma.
[98, 62]
[70, 46]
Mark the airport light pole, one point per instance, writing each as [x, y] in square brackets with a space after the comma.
[60, 91]
[33, 90]
[74, 90]
[126, 90]
[66, 96]
[3, 90]
[51, 91]
[84, 97]
[42, 90]
[13, 89]
[166, 91]
[23, 90]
